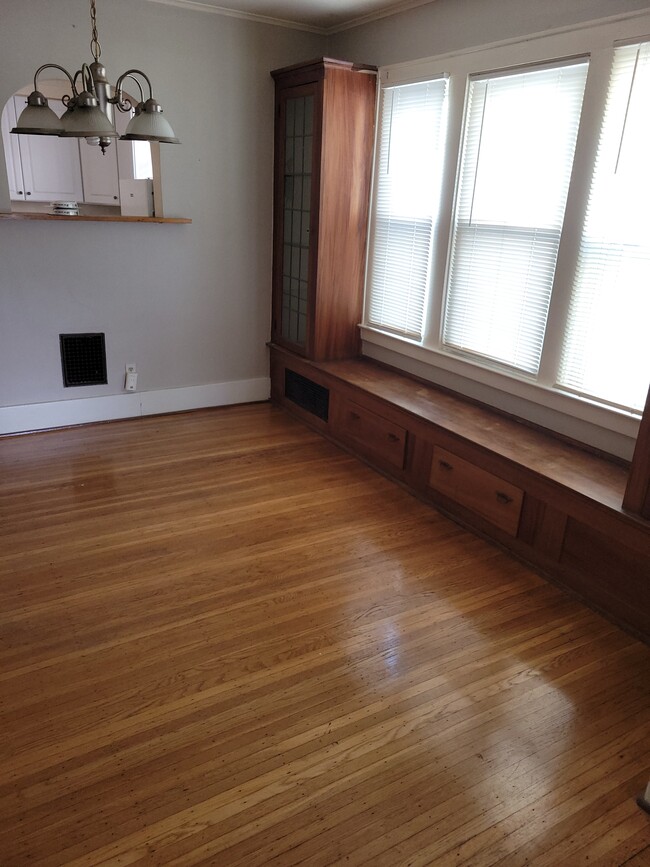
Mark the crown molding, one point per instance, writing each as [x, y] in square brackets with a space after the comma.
[197, 6]
[394, 9]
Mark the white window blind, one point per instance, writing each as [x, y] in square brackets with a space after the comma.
[606, 351]
[407, 194]
[520, 134]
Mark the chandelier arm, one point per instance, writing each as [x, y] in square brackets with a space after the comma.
[125, 104]
[87, 82]
[130, 73]
[87, 79]
[62, 69]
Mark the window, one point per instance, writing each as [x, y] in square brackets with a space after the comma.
[406, 203]
[520, 137]
[510, 233]
[142, 162]
[605, 352]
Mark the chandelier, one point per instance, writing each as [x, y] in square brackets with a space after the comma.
[89, 111]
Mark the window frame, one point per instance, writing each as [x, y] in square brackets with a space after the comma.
[491, 236]
[538, 398]
[377, 222]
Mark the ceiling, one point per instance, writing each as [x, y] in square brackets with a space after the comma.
[319, 16]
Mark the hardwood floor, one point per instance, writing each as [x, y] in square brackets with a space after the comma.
[224, 641]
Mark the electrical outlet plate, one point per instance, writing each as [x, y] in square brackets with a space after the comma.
[131, 378]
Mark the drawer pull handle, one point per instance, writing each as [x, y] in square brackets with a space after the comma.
[445, 465]
[393, 438]
[503, 498]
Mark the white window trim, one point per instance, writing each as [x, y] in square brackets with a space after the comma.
[572, 415]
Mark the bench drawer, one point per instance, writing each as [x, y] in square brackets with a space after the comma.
[374, 435]
[491, 497]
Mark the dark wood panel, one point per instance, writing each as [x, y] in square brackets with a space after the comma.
[637, 493]
[348, 137]
[542, 527]
[609, 573]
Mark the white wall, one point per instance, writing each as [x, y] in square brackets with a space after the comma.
[190, 305]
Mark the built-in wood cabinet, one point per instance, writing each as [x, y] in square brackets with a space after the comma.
[553, 504]
[324, 133]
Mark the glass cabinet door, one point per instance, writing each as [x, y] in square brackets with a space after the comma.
[298, 148]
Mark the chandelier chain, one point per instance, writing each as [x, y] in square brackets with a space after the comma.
[95, 47]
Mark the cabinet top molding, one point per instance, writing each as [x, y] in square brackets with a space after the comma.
[321, 63]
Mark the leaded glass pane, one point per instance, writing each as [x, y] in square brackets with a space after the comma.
[299, 125]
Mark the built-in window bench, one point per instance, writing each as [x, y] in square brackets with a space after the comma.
[553, 504]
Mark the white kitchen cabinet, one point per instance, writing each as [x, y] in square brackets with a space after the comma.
[50, 166]
[99, 174]
[12, 154]
[47, 168]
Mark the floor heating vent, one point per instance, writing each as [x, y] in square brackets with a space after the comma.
[83, 359]
[307, 394]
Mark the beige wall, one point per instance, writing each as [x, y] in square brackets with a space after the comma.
[451, 25]
[189, 305]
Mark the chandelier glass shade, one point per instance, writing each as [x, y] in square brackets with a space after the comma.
[90, 105]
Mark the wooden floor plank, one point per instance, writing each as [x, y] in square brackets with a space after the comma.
[640, 859]
[225, 641]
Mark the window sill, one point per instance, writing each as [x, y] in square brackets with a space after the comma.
[94, 219]
[609, 430]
